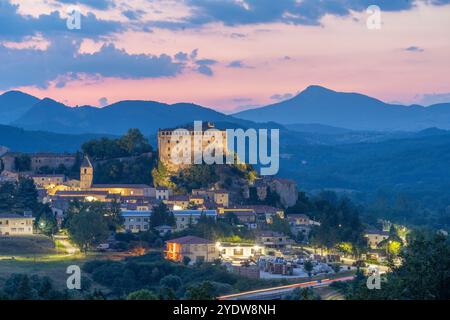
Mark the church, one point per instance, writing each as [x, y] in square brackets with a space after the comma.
[87, 190]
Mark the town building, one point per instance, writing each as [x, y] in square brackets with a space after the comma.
[178, 202]
[264, 214]
[238, 253]
[286, 189]
[16, 225]
[186, 218]
[164, 230]
[163, 193]
[136, 221]
[195, 248]
[374, 237]
[273, 240]
[39, 160]
[219, 197]
[87, 178]
[301, 223]
[48, 181]
[9, 176]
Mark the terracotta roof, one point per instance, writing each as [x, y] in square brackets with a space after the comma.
[190, 240]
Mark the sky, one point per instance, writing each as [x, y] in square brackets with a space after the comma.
[228, 55]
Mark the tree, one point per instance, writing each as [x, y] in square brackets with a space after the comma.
[423, 275]
[143, 294]
[302, 294]
[7, 192]
[46, 221]
[186, 260]
[162, 216]
[25, 196]
[280, 225]
[24, 290]
[203, 291]
[308, 266]
[171, 281]
[114, 217]
[88, 228]
[22, 163]
[134, 142]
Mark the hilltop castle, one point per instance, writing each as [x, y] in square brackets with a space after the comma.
[190, 142]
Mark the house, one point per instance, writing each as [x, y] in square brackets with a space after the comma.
[301, 223]
[195, 248]
[239, 252]
[265, 214]
[219, 197]
[247, 218]
[164, 230]
[374, 237]
[48, 181]
[274, 240]
[8, 176]
[87, 195]
[178, 202]
[186, 218]
[163, 193]
[16, 225]
[39, 160]
[136, 221]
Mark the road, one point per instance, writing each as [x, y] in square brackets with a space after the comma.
[275, 293]
[68, 247]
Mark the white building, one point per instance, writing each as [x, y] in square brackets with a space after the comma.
[239, 252]
[136, 221]
[186, 218]
[163, 193]
[374, 237]
[15, 225]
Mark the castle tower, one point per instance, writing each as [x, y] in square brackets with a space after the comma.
[86, 174]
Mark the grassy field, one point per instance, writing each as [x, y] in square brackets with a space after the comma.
[27, 245]
[39, 255]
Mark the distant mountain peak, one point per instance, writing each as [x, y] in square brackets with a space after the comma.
[317, 88]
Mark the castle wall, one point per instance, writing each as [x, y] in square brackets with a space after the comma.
[171, 142]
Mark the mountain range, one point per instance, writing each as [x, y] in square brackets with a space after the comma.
[351, 111]
[328, 140]
[316, 109]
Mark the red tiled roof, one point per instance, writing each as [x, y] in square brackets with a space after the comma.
[190, 240]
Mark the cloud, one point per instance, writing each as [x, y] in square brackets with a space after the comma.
[103, 102]
[434, 98]
[62, 62]
[236, 64]
[133, 14]
[281, 97]
[96, 4]
[182, 56]
[242, 100]
[206, 62]
[207, 71]
[414, 49]
[204, 66]
[16, 27]
[306, 12]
